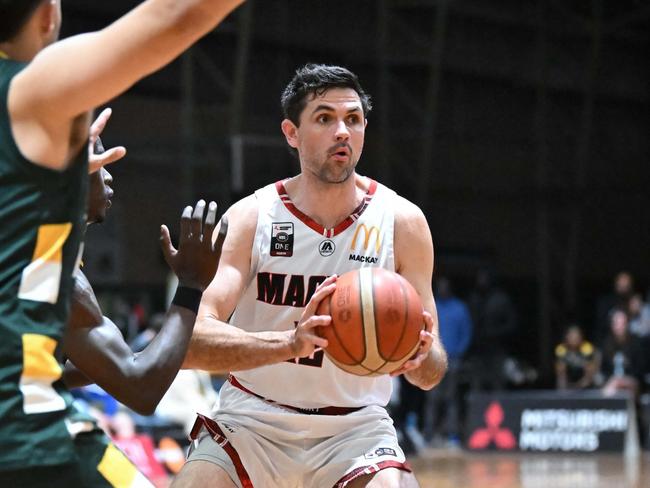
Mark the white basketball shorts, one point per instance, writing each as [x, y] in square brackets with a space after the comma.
[263, 445]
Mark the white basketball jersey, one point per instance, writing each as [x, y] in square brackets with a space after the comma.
[291, 256]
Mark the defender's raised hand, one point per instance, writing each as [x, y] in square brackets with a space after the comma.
[196, 260]
[98, 157]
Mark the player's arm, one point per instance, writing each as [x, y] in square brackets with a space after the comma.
[219, 347]
[95, 345]
[73, 377]
[414, 261]
[87, 70]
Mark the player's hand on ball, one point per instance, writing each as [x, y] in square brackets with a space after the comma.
[304, 338]
[426, 341]
[196, 260]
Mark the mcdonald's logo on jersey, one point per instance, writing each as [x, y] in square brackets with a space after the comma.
[368, 233]
[360, 247]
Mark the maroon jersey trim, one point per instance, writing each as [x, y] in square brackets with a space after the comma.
[312, 224]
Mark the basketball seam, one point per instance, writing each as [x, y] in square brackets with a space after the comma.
[374, 311]
[406, 316]
[369, 372]
[342, 343]
[374, 315]
[363, 321]
[401, 337]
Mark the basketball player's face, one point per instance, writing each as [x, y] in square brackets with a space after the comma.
[330, 137]
[99, 195]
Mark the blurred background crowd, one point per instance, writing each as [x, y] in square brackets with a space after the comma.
[480, 327]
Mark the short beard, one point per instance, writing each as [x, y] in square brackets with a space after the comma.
[329, 175]
[326, 177]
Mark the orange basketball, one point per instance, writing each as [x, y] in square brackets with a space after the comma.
[376, 321]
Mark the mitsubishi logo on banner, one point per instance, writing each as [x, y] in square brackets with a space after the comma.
[501, 437]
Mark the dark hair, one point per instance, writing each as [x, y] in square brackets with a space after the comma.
[14, 14]
[316, 79]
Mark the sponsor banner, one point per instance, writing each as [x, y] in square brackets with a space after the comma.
[547, 421]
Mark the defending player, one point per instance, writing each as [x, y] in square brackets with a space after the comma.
[93, 343]
[97, 347]
[46, 94]
[288, 417]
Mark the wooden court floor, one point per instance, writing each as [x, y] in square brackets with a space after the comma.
[444, 469]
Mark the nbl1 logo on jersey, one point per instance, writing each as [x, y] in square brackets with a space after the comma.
[282, 239]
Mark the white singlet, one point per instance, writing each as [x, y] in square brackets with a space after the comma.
[291, 255]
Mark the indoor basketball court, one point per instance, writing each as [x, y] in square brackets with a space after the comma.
[440, 469]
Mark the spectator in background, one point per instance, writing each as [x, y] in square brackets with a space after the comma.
[495, 322]
[617, 300]
[639, 315]
[577, 361]
[639, 325]
[139, 448]
[623, 360]
[455, 325]
[408, 415]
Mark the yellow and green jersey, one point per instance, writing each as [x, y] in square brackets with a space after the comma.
[42, 217]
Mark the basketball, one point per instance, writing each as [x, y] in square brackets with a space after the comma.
[376, 322]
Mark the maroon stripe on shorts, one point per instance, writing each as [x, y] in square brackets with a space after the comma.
[220, 438]
[371, 469]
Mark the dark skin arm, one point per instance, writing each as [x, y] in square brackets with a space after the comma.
[95, 347]
[73, 378]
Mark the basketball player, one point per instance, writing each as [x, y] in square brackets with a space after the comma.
[97, 347]
[46, 94]
[287, 416]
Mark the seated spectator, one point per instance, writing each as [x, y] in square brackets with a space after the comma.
[577, 361]
[623, 359]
